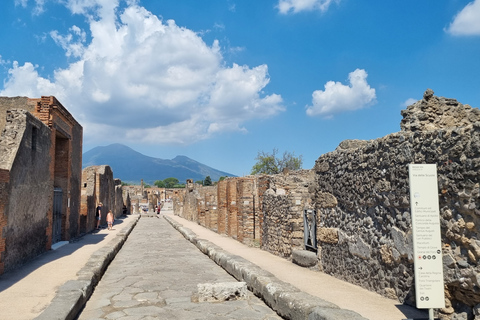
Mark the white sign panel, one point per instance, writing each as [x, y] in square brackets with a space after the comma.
[427, 242]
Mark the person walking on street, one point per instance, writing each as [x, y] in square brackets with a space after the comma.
[110, 220]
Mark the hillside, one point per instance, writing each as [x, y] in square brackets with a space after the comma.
[131, 166]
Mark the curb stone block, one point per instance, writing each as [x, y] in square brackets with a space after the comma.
[252, 272]
[272, 290]
[221, 259]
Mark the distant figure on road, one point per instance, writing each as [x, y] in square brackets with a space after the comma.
[110, 220]
[159, 207]
[98, 214]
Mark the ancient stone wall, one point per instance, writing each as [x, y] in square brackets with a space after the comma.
[284, 201]
[98, 185]
[254, 208]
[118, 211]
[26, 189]
[209, 205]
[88, 200]
[9, 103]
[222, 207]
[362, 195]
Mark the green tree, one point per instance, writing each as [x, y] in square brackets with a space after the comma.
[222, 178]
[159, 183]
[170, 182]
[207, 181]
[269, 163]
[199, 182]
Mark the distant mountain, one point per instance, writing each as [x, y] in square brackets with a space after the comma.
[131, 166]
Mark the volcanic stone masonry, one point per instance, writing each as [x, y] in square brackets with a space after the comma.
[361, 194]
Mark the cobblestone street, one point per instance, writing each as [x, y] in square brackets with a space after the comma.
[155, 276]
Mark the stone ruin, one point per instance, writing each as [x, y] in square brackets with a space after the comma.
[361, 194]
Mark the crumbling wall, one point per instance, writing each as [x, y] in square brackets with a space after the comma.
[362, 195]
[284, 200]
[88, 200]
[264, 211]
[25, 189]
[8, 103]
[98, 185]
[118, 211]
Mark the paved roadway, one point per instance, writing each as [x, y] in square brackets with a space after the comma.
[155, 276]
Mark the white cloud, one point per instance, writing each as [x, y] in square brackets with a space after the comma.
[467, 21]
[143, 79]
[287, 6]
[409, 102]
[2, 62]
[72, 48]
[25, 81]
[22, 3]
[39, 5]
[338, 98]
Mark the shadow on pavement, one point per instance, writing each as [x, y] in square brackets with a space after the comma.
[11, 277]
[411, 312]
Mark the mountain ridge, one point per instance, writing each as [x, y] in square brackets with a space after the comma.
[131, 166]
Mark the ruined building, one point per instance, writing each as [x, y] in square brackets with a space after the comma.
[98, 185]
[359, 198]
[40, 176]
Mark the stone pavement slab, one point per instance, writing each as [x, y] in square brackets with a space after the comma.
[156, 276]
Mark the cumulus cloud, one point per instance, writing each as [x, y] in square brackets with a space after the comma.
[338, 97]
[295, 6]
[467, 21]
[25, 81]
[143, 79]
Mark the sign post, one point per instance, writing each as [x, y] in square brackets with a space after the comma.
[427, 242]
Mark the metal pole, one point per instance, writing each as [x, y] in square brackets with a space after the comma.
[430, 314]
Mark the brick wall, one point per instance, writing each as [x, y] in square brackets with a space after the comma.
[222, 206]
[232, 208]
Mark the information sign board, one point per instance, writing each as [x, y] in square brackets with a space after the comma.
[427, 242]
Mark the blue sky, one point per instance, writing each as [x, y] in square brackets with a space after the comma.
[221, 80]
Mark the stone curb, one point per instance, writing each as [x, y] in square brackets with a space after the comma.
[72, 295]
[285, 299]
